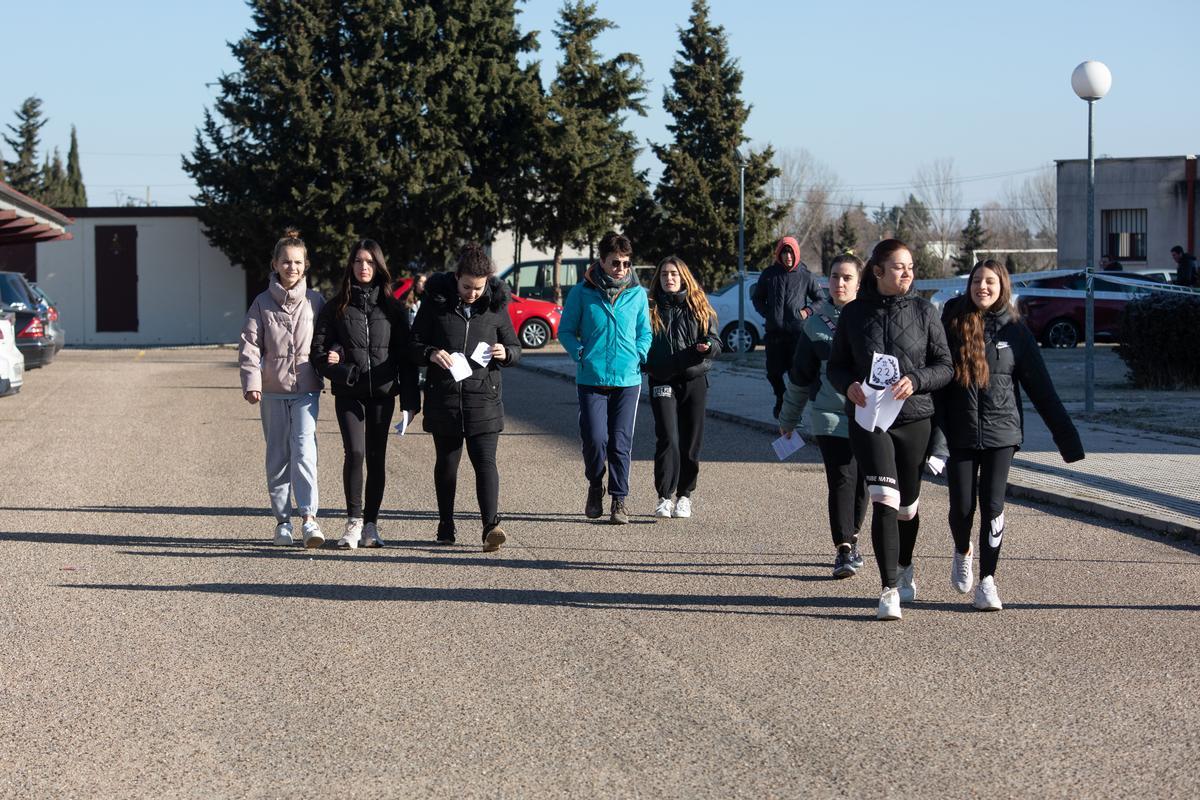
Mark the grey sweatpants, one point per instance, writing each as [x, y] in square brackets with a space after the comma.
[290, 428]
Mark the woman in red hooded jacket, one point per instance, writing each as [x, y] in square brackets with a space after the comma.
[785, 294]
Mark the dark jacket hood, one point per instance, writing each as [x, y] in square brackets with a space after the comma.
[441, 289]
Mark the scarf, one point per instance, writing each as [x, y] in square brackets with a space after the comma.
[611, 287]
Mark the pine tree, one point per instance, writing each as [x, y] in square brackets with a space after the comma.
[76, 192]
[52, 190]
[23, 172]
[829, 248]
[396, 122]
[847, 236]
[974, 237]
[698, 195]
[584, 172]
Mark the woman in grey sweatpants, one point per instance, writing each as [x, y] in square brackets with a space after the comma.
[276, 373]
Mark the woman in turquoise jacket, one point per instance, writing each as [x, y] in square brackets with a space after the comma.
[605, 328]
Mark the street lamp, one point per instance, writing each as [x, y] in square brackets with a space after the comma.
[741, 334]
[1091, 80]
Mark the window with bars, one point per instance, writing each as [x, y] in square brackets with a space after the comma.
[1123, 233]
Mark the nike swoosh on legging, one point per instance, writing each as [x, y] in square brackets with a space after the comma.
[997, 532]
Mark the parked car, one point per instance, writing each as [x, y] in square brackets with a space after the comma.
[1058, 321]
[535, 321]
[58, 333]
[32, 323]
[725, 302]
[12, 363]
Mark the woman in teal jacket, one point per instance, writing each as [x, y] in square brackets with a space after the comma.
[605, 328]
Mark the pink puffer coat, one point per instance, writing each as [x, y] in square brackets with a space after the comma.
[276, 337]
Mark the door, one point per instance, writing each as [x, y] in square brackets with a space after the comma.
[116, 278]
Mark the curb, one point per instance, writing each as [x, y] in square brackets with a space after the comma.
[1161, 525]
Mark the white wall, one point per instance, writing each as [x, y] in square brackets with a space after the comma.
[188, 292]
[504, 249]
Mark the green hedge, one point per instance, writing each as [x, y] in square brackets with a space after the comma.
[1160, 341]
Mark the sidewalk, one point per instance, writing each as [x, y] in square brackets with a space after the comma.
[1147, 479]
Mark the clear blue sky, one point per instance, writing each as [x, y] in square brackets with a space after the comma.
[872, 89]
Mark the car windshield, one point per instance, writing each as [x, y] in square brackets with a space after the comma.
[13, 292]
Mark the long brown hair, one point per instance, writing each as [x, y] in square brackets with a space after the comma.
[382, 278]
[411, 297]
[970, 362]
[696, 300]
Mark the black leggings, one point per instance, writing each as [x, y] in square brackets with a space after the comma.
[890, 462]
[481, 449]
[365, 425]
[780, 348]
[847, 489]
[982, 473]
[678, 431]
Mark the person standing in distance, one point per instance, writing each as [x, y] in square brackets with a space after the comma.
[785, 294]
[605, 329]
[681, 352]
[276, 373]
[462, 312]
[1186, 272]
[360, 346]
[979, 418]
[808, 383]
[891, 339]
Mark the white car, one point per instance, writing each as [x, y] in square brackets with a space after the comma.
[12, 363]
[725, 302]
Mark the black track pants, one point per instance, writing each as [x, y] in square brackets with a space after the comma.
[847, 489]
[890, 463]
[678, 431]
[780, 348]
[481, 449]
[979, 476]
[365, 425]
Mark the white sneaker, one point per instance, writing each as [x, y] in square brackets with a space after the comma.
[370, 535]
[664, 509]
[889, 605]
[986, 596]
[961, 574]
[312, 534]
[683, 507]
[352, 535]
[283, 534]
[906, 585]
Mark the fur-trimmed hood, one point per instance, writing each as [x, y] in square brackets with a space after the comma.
[441, 289]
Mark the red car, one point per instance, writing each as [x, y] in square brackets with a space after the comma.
[1059, 321]
[535, 321]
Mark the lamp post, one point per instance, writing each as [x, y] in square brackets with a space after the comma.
[741, 333]
[1091, 80]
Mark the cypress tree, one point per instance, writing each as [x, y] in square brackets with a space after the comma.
[974, 237]
[698, 195]
[53, 182]
[847, 236]
[23, 172]
[585, 181]
[76, 192]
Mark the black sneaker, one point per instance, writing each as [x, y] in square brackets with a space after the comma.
[856, 559]
[493, 537]
[595, 502]
[618, 515]
[842, 568]
[445, 534]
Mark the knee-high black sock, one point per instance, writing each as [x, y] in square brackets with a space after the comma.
[886, 539]
[908, 538]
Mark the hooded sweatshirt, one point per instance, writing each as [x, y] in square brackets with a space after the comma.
[785, 295]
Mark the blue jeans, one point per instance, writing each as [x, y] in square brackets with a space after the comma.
[290, 428]
[606, 418]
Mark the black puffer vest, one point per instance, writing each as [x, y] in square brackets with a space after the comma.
[673, 355]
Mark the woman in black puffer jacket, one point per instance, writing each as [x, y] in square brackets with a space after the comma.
[891, 340]
[359, 345]
[460, 314]
[685, 340]
[979, 418]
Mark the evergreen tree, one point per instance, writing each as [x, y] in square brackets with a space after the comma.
[847, 236]
[23, 172]
[584, 171]
[698, 195]
[53, 188]
[829, 248]
[974, 237]
[76, 192]
[400, 122]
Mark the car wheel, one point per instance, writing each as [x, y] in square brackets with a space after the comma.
[1061, 333]
[735, 343]
[534, 334]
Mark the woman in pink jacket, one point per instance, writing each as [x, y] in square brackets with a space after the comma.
[276, 374]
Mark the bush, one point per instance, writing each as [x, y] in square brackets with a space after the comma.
[1160, 341]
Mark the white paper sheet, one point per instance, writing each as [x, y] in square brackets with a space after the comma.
[784, 446]
[402, 425]
[482, 354]
[936, 465]
[880, 411]
[459, 368]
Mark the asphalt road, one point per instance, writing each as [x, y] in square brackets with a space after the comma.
[154, 644]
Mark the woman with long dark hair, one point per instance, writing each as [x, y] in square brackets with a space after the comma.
[979, 413]
[359, 346]
[890, 348]
[684, 327]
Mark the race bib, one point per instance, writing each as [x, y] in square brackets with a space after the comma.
[885, 370]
